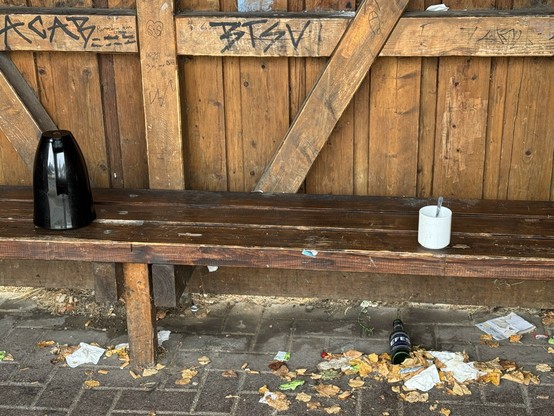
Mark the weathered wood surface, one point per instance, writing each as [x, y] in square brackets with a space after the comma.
[36, 29]
[488, 33]
[161, 95]
[417, 34]
[141, 319]
[330, 96]
[513, 239]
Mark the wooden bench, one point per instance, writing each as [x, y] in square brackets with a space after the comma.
[141, 228]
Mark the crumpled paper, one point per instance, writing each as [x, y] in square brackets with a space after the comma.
[425, 380]
[454, 362]
[85, 354]
[437, 8]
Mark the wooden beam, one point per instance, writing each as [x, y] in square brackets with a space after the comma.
[456, 33]
[90, 30]
[160, 90]
[168, 283]
[141, 317]
[519, 33]
[22, 116]
[352, 58]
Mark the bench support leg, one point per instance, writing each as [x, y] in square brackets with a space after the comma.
[141, 316]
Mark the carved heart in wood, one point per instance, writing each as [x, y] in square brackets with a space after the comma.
[154, 28]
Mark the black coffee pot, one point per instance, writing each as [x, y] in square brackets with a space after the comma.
[61, 187]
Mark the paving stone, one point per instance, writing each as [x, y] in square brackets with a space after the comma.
[192, 325]
[365, 345]
[223, 360]
[306, 352]
[19, 395]
[42, 322]
[326, 329]
[31, 412]
[458, 334]
[541, 399]
[248, 404]
[63, 388]
[20, 342]
[99, 400]
[524, 355]
[75, 336]
[243, 319]
[155, 400]
[420, 409]
[509, 393]
[440, 316]
[273, 336]
[34, 367]
[213, 395]
[422, 335]
[209, 343]
[377, 398]
[7, 322]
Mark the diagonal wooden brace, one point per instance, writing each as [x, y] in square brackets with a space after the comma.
[360, 45]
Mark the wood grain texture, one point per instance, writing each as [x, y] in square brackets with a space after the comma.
[330, 96]
[367, 234]
[160, 89]
[141, 320]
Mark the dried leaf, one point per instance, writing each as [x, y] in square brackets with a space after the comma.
[543, 368]
[333, 410]
[103, 372]
[543, 397]
[487, 340]
[516, 339]
[90, 384]
[263, 390]
[44, 344]
[445, 412]
[344, 395]
[548, 319]
[327, 390]
[313, 405]
[230, 374]
[186, 376]
[356, 383]
[242, 367]
[414, 397]
[521, 377]
[373, 358]
[204, 360]
[353, 354]
[301, 371]
[550, 350]
[276, 400]
[303, 397]
[147, 372]
[276, 365]
[134, 375]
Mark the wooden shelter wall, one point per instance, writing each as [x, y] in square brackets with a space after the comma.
[466, 127]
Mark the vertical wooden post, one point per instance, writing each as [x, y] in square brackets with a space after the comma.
[141, 317]
[160, 92]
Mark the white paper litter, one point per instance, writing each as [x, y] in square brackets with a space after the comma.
[85, 354]
[163, 336]
[425, 380]
[454, 362]
[506, 326]
[437, 8]
[212, 269]
[267, 395]
[310, 253]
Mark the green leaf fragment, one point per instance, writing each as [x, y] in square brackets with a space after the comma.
[292, 385]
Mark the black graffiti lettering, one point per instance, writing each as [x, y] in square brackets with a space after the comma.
[63, 26]
[250, 25]
[275, 35]
[85, 31]
[9, 25]
[40, 32]
[230, 33]
[109, 37]
[296, 42]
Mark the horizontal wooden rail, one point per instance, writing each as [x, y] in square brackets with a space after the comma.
[476, 33]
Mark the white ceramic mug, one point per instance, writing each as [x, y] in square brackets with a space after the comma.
[434, 232]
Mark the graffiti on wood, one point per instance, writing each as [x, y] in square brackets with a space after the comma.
[67, 32]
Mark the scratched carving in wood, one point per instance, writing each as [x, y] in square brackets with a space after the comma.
[51, 32]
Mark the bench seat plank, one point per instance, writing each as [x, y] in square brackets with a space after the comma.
[513, 239]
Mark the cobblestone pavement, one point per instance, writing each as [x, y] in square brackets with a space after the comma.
[236, 333]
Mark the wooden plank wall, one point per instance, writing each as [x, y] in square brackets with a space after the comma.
[465, 127]
[456, 126]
